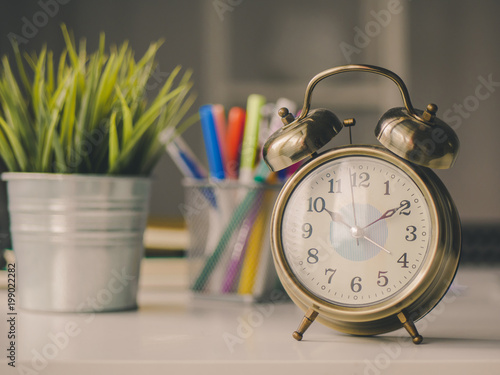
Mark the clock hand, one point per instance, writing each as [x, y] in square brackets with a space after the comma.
[353, 208]
[337, 217]
[359, 233]
[385, 215]
[376, 244]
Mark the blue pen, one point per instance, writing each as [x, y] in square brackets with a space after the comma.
[186, 161]
[192, 166]
[211, 142]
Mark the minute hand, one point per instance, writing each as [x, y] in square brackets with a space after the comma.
[385, 215]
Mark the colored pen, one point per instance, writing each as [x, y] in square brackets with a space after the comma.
[220, 127]
[253, 251]
[250, 137]
[239, 249]
[292, 169]
[185, 160]
[238, 216]
[265, 273]
[262, 172]
[211, 142]
[242, 210]
[234, 138]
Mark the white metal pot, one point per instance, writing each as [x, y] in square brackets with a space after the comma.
[78, 240]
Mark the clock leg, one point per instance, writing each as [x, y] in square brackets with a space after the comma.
[410, 327]
[309, 317]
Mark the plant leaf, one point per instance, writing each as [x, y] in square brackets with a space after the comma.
[68, 118]
[7, 153]
[59, 165]
[20, 67]
[148, 118]
[16, 146]
[51, 130]
[114, 147]
[127, 117]
[50, 73]
[70, 46]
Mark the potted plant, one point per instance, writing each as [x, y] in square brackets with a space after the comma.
[80, 139]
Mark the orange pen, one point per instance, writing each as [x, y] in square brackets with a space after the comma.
[234, 138]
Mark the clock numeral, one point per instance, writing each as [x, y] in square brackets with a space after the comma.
[355, 284]
[307, 229]
[318, 205]
[313, 256]
[405, 208]
[338, 183]
[363, 179]
[403, 260]
[382, 279]
[387, 188]
[330, 277]
[412, 236]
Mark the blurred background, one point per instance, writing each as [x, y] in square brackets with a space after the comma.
[446, 52]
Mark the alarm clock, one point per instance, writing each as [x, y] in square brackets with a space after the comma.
[366, 239]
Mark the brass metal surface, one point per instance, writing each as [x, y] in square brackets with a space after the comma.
[286, 117]
[357, 68]
[309, 317]
[415, 135]
[432, 144]
[298, 140]
[410, 328]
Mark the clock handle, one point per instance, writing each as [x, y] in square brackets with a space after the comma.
[410, 327]
[417, 136]
[358, 68]
[408, 132]
[307, 320]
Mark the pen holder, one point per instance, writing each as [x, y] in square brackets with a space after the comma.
[229, 253]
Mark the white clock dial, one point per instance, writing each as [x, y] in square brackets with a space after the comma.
[356, 230]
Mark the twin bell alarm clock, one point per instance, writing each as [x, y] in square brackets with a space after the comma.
[366, 239]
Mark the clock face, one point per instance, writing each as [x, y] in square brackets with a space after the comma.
[356, 230]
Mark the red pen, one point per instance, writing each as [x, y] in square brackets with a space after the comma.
[234, 138]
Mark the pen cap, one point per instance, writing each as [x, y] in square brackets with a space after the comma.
[251, 133]
[234, 138]
[211, 142]
[220, 127]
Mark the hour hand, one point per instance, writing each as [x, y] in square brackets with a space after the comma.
[337, 217]
[385, 215]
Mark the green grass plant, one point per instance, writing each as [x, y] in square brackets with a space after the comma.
[88, 113]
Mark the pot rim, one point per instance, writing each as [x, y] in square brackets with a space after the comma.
[11, 176]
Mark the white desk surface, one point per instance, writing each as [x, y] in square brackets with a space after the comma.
[172, 334]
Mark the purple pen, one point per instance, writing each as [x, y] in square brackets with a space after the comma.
[239, 247]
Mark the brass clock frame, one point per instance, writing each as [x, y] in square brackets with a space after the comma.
[420, 295]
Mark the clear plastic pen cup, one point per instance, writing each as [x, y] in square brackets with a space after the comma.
[229, 251]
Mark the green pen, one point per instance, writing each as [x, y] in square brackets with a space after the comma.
[250, 142]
